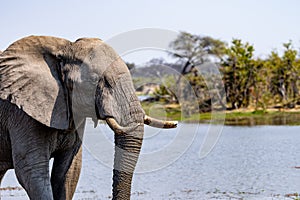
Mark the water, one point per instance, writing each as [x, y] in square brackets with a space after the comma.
[247, 163]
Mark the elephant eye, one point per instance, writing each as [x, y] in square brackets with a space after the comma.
[94, 78]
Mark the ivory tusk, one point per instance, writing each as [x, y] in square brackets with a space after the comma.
[113, 124]
[159, 123]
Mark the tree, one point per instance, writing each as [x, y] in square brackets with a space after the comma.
[239, 73]
[285, 73]
[193, 50]
[261, 95]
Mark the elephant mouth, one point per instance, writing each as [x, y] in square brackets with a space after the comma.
[118, 129]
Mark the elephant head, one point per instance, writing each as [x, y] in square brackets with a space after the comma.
[59, 83]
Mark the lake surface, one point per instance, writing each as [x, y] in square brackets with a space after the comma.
[258, 162]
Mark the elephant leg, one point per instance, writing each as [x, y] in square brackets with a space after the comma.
[33, 174]
[75, 168]
[73, 175]
[30, 154]
[59, 177]
[2, 173]
[66, 169]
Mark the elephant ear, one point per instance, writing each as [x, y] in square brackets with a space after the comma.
[30, 77]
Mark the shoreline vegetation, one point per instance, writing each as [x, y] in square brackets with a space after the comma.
[209, 73]
[244, 116]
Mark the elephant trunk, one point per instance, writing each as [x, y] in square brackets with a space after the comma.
[127, 150]
[117, 103]
[128, 142]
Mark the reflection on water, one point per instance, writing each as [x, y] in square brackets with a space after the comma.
[276, 119]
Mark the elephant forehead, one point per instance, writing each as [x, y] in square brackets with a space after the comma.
[96, 56]
[116, 71]
[100, 57]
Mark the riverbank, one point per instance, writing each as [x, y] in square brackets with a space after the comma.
[248, 117]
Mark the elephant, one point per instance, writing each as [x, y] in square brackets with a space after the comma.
[48, 87]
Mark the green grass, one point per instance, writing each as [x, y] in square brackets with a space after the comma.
[174, 112]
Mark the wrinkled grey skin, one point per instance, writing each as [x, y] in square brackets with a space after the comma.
[48, 87]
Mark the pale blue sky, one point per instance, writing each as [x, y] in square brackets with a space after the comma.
[265, 23]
